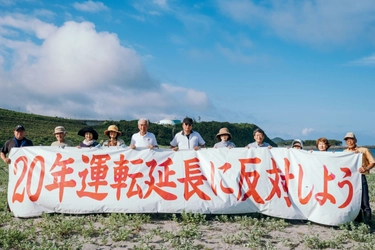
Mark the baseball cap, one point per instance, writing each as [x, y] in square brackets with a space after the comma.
[350, 135]
[187, 120]
[19, 127]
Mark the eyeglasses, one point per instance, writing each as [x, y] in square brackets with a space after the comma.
[187, 124]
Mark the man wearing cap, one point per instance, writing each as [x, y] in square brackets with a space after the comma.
[143, 138]
[368, 162]
[19, 140]
[258, 137]
[60, 134]
[187, 138]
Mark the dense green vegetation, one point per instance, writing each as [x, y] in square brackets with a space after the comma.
[40, 129]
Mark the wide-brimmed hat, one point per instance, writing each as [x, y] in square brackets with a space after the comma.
[59, 129]
[113, 128]
[223, 131]
[350, 135]
[297, 142]
[83, 131]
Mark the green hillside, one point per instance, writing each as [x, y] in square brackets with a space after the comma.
[40, 129]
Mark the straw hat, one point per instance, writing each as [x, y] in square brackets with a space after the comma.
[223, 131]
[113, 128]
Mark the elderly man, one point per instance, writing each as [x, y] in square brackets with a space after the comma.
[60, 134]
[187, 138]
[143, 138]
[19, 140]
[258, 137]
[368, 162]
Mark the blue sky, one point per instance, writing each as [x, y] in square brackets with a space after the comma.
[298, 69]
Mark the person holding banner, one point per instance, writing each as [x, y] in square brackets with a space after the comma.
[113, 133]
[187, 138]
[258, 137]
[224, 138]
[60, 134]
[322, 144]
[143, 138]
[90, 138]
[19, 140]
[368, 162]
[297, 144]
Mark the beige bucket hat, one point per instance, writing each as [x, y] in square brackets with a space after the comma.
[59, 129]
[223, 131]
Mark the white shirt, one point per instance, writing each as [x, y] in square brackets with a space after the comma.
[181, 141]
[143, 141]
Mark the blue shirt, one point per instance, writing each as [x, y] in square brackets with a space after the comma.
[224, 144]
[255, 145]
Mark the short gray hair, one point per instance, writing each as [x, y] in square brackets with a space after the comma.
[143, 119]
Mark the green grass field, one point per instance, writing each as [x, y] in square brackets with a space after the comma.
[174, 231]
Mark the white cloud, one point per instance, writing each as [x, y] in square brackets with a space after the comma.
[366, 61]
[313, 22]
[28, 24]
[90, 6]
[307, 131]
[79, 72]
[44, 13]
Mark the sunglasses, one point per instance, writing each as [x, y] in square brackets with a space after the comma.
[187, 124]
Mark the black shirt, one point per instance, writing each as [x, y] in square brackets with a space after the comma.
[14, 143]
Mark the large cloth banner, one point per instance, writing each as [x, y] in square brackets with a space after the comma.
[322, 187]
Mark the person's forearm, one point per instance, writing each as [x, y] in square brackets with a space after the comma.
[3, 156]
[370, 166]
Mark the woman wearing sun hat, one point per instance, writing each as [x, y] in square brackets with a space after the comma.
[113, 133]
[224, 139]
[90, 137]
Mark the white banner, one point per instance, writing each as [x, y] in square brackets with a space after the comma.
[322, 187]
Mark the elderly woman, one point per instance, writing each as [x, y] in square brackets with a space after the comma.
[90, 137]
[113, 133]
[297, 144]
[322, 144]
[224, 138]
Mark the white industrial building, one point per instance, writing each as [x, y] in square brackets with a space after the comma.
[168, 122]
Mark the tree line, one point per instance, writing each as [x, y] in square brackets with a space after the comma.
[40, 129]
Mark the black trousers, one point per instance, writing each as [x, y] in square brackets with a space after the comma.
[365, 202]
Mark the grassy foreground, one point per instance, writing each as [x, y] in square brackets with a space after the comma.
[170, 231]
